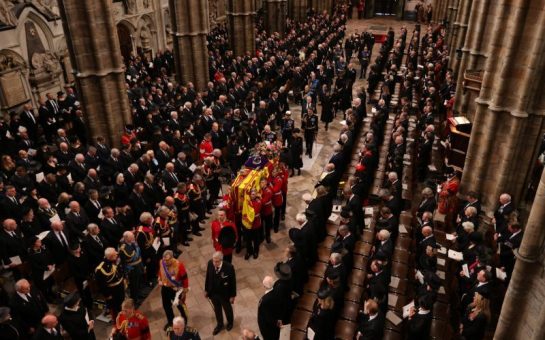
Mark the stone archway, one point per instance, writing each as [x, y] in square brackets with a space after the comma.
[124, 35]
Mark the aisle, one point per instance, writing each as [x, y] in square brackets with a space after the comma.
[250, 273]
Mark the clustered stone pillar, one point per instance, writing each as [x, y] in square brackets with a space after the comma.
[478, 36]
[510, 109]
[439, 10]
[241, 26]
[275, 15]
[190, 27]
[522, 314]
[459, 36]
[322, 5]
[452, 22]
[92, 42]
[298, 9]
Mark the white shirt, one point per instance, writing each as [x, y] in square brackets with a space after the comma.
[23, 296]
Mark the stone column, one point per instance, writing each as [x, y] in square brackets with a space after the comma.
[522, 314]
[298, 9]
[190, 26]
[241, 26]
[91, 38]
[510, 109]
[452, 22]
[275, 15]
[479, 32]
[459, 35]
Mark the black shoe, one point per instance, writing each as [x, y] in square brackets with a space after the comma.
[229, 327]
[197, 233]
[202, 229]
[256, 255]
[189, 239]
[203, 221]
[299, 172]
[309, 156]
[217, 329]
[283, 217]
[186, 244]
[247, 256]
[268, 239]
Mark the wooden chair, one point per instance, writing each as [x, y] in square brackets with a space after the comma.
[354, 294]
[297, 334]
[357, 277]
[360, 262]
[350, 311]
[313, 284]
[345, 330]
[363, 248]
[306, 302]
[318, 269]
[299, 320]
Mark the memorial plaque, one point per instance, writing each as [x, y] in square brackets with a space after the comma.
[13, 89]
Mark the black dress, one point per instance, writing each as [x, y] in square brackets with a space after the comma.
[296, 150]
[327, 109]
[322, 323]
[474, 329]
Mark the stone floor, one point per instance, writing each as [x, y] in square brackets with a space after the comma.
[250, 273]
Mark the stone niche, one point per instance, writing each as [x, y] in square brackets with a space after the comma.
[14, 89]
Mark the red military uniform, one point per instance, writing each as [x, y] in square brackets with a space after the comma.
[176, 272]
[135, 327]
[205, 149]
[285, 176]
[216, 228]
[256, 204]
[266, 201]
[277, 191]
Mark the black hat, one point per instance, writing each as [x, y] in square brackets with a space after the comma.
[60, 93]
[74, 245]
[282, 271]
[4, 313]
[295, 235]
[227, 237]
[476, 237]
[71, 299]
[323, 293]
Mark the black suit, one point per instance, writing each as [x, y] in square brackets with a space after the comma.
[92, 211]
[269, 311]
[220, 286]
[328, 181]
[112, 231]
[78, 171]
[502, 215]
[385, 249]
[171, 181]
[419, 326]
[43, 334]
[77, 224]
[57, 248]
[29, 312]
[11, 209]
[427, 205]
[378, 284]
[372, 329]
[95, 250]
[354, 204]
[11, 246]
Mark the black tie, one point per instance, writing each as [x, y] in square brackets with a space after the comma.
[61, 236]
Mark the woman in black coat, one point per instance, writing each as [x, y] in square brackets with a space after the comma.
[327, 107]
[474, 322]
[40, 261]
[323, 318]
[121, 191]
[296, 151]
[76, 319]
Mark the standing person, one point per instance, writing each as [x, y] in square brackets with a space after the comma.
[110, 281]
[270, 311]
[288, 125]
[364, 56]
[181, 332]
[131, 323]
[361, 8]
[296, 151]
[252, 233]
[76, 320]
[310, 126]
[145, 237]
[174, 286]
[266, 208]
[224, 240]
[221, 288]
[277, 197]
[28, 307]
[50, 329]
[322, 321]
[131, 261]
[327, 106]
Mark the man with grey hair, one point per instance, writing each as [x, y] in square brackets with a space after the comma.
[221, 288]
[29, 306]
[181, 332]
[270, 310]
[131, 262]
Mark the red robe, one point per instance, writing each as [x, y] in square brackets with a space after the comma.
[134, 328]
[256, 204]
[205, 149]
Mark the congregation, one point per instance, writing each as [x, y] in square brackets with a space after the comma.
[86, 224]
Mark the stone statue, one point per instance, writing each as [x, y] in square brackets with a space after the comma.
[46, 6]
[9, 60]
[130, 6]
[145, 38]
[45, 62]
[7, 17]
